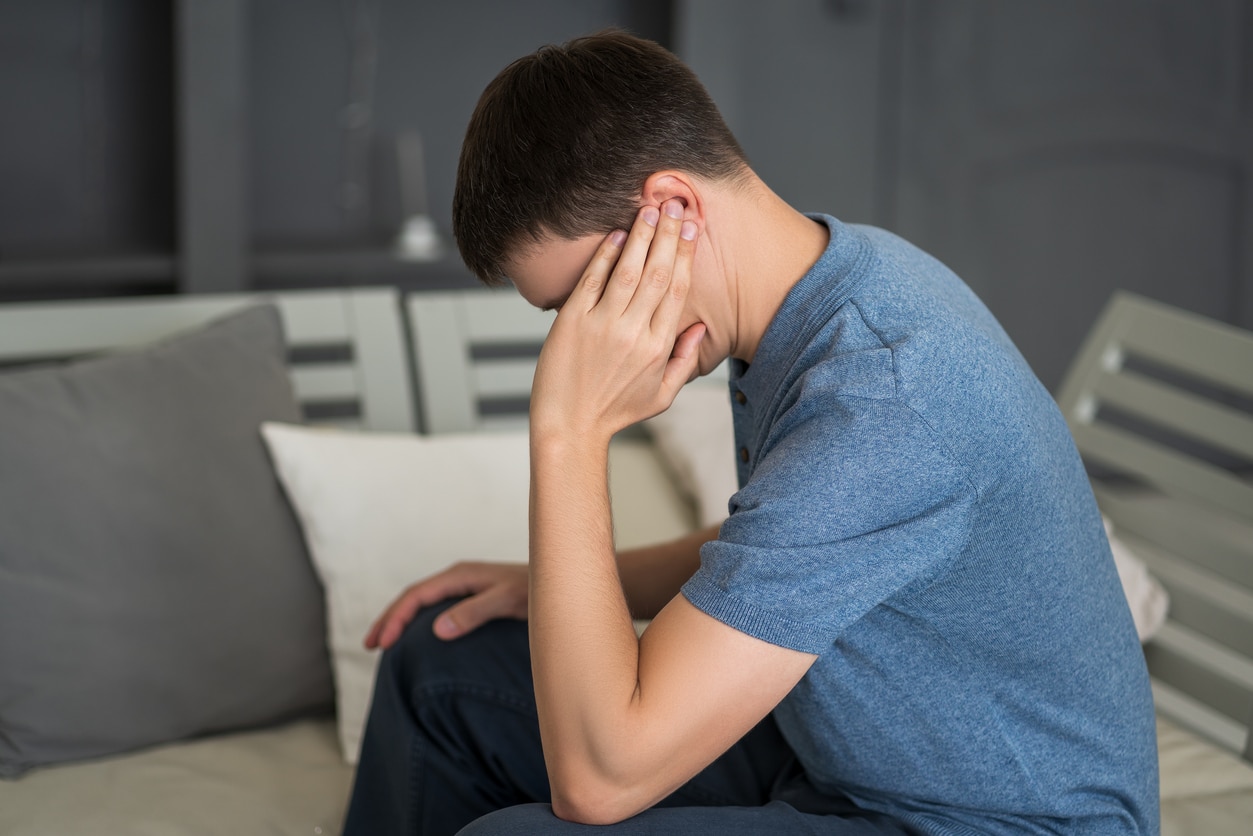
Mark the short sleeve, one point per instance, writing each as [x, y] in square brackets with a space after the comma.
[846, 509]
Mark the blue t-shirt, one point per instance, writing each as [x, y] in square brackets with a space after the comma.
[912, 510]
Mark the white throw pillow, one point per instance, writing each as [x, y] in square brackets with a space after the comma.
[1148, 599]
[697, 441]
[382, 510]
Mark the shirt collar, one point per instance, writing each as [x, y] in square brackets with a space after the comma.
[808, 306]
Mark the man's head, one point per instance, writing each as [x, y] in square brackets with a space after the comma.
[562, 142]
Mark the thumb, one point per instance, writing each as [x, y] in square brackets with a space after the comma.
[682, 365]
[470, 614]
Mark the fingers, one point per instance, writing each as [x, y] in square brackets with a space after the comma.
[499, 601]
[659, 268]
[682, 365]
[667, 313]
[587, 293]
[496, 590]
[662, 293]
[387, 628]
[625, 278]
[633, 272]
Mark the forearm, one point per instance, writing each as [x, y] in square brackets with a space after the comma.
[584, 650]
[652, 575]
[623, 721]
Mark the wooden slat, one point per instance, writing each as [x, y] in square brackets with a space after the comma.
[1210, 655]
[48, 329]
[67, 329]
[1248, 737]
[503, 316]
[315, 318]
[1194, 525]
[1187, 414]
[1173, 472]
[325, 382]
[1212, 351]
[368, 320]
[353, 424]
[504, 378]
[1201, 611]
[450, 383]
[382, 367]
[502, 423]
[441, 356]
[1186, 673]
[1213, 541]
[1199, 718]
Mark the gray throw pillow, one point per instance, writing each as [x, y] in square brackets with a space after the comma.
[153, 580]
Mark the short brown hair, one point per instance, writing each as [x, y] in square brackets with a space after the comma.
[562, 141]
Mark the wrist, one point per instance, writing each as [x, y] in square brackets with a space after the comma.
[562, 442]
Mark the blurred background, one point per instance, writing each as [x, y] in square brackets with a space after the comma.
[1049, 152]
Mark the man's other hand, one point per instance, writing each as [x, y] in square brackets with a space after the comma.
[494, 590]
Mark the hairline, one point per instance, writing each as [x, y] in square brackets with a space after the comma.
[531, 240]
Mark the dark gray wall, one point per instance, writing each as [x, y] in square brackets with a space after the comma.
[86, 140]
[212, 145]
[1049, 152]
[323, 121]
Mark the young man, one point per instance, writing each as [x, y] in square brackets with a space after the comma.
[910, 622]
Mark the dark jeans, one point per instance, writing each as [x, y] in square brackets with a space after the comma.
[452, 746]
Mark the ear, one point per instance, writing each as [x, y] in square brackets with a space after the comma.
[670, 184]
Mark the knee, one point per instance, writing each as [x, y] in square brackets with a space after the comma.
[417, 650]
[421, 658]
[522, 820]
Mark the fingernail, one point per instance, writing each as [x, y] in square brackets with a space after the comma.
[618, 237]
[688, 231]
[445, 627]
[651, 215]
[674, 209]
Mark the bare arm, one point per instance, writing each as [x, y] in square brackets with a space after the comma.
[624, 721]
[652, 575]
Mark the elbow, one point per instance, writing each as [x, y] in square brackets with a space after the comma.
[580, 813]
[584, 808]
[590, 801]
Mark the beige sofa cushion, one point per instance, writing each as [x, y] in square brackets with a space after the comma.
[285, 780]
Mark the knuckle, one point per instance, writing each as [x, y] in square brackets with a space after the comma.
[627, 278]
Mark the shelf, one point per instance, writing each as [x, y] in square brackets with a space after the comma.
[312, 267]
[155, 270]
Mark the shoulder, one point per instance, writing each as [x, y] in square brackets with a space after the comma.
[836, 466]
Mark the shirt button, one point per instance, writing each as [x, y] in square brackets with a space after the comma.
[744, 454]
[741, 398]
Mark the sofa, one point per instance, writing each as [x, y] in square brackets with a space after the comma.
[205, 500]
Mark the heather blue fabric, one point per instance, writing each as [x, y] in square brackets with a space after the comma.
[912, 509]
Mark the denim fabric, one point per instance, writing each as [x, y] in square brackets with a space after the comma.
[453, 736]
[912, 509]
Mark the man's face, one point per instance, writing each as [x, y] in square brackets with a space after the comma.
[546, 275]
[548, 272]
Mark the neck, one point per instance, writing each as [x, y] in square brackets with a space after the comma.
[766, 247]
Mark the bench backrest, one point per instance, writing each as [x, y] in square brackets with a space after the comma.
[1160, 403]
[346, 347]
[474, 358]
